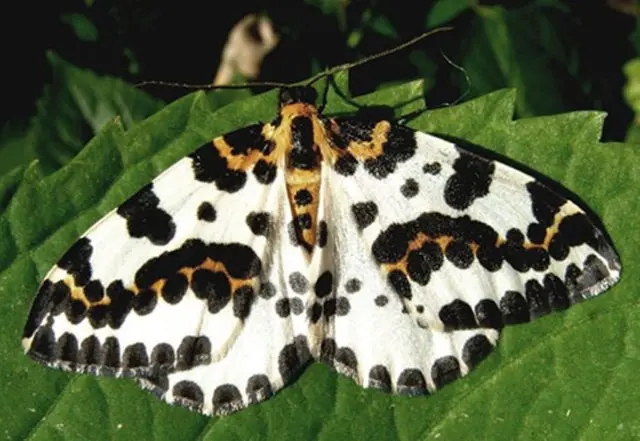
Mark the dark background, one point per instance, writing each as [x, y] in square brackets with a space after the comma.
[561, 55]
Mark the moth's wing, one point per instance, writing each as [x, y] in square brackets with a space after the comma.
[177, 287]
[437, 249]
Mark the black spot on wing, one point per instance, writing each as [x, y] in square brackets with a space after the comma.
[391, 245]
[94, 291]
[206, 212]
[328, 349]
[42, 304]
[514, 309]
[410, 188]
[258, 388]
[347, 361]
[188, 393]
[471, 180]
[537, 299]
[352, 286]
[323, 234]
[98, 316]
[242, 301]
[346, 164]
[239, 260]
[110, 356]
[411, 382]
[544, 202]
[174, 289]
[212, 286]
[135, 356]
[121, 303]
[343, 306]
[90, 351]
[379, 378]
[259, 223]
[324, 284]
[329, 307]
[243, 140]
[209, 166]
[226, 399]
[381, 300]
[400, 284]
[145, 302]
[488, 314]
[163, 356]
[293, 357]
[457, 315]
[193, 351]
[76, 311]
[432, 168]
[314, 312]
[267, 290]
[298, 282]
[76, 261]
[43, 344]
[283, 307]
[557, 291]
[445, 370]
[400, 146]
[364, 213]
[265, 172]
[67, 348]
[579, 282]
[476, 349]
[145, 219]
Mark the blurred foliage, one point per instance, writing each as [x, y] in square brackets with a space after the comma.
[560, 55]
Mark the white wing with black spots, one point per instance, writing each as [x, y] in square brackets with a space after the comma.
[179, 286]
[446, 247]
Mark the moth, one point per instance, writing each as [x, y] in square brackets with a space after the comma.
[392, 255]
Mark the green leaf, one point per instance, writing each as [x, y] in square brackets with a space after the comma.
[528, 49]
[632, 87]
[328, 6]
[383, 26]
[13, 148]
[444, 11]
[84, 28]
[75, 107]
[9, 182]
[568, 376]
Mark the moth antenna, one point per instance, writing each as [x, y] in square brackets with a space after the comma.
[466, 77]
[323, 74]
[372, 57]
[209, 86]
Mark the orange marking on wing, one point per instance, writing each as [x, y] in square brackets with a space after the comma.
[443, 241]
[371, 149]
[236, 162]
[77, 293]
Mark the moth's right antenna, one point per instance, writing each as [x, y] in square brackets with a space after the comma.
[466, 77]
[393, 50]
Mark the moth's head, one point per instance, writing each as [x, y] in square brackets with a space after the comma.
[297, 94]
